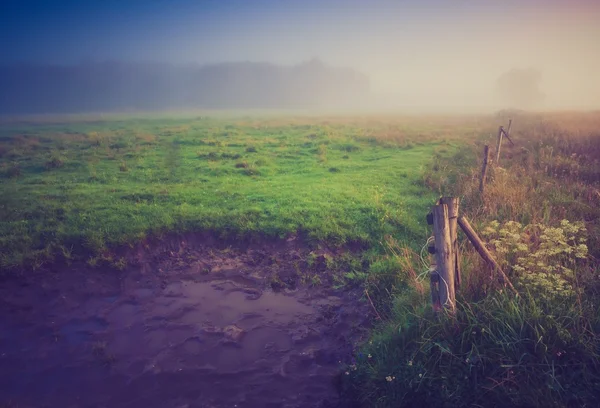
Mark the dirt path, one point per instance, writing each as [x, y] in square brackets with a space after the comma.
[192, 325]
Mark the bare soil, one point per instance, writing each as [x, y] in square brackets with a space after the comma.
[194, 322]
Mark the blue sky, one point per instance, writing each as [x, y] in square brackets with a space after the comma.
[208, 31]
[425, 47]
[197, 31]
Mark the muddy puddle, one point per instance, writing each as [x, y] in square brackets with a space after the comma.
[195, 327]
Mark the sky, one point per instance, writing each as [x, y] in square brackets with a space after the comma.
[447, 51]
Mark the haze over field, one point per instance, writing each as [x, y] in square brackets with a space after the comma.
[230, 198]
[71, 56]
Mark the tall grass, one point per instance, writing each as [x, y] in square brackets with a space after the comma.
[541, 349]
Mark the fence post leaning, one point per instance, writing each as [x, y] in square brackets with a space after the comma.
[483, 252]
[507, 132]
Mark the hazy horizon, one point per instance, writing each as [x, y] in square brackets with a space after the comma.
[425, 54]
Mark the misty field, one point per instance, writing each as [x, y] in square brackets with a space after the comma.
[80, 188]
[335, 208]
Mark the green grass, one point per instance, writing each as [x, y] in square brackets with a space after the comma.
[541, 349]
[82, 187]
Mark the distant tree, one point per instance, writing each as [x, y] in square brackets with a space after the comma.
[119, 86]
[520, 88]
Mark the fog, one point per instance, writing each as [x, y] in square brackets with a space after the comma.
[429, 55]
[119, 86]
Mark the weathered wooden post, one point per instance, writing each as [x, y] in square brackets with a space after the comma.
[483, 252]
[486, 158]
[444, 256]
[453, 204]
[499, 143]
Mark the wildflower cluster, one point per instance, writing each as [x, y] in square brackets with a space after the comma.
[542, 258]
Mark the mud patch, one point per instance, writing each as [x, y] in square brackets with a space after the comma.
[77, 332]
[192, 325]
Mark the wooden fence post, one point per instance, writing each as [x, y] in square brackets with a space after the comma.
[453, 204]
[443, 254]
[485, 254]
[486, 158]
[499, 144]
[507, 132]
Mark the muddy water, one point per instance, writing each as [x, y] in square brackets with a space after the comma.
[182, 340]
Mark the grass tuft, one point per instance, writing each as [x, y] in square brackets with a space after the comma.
[55, 162]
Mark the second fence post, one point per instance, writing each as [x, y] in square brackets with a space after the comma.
[484, 168]
[499, 144]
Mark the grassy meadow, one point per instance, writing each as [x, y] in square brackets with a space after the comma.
[79, 187]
